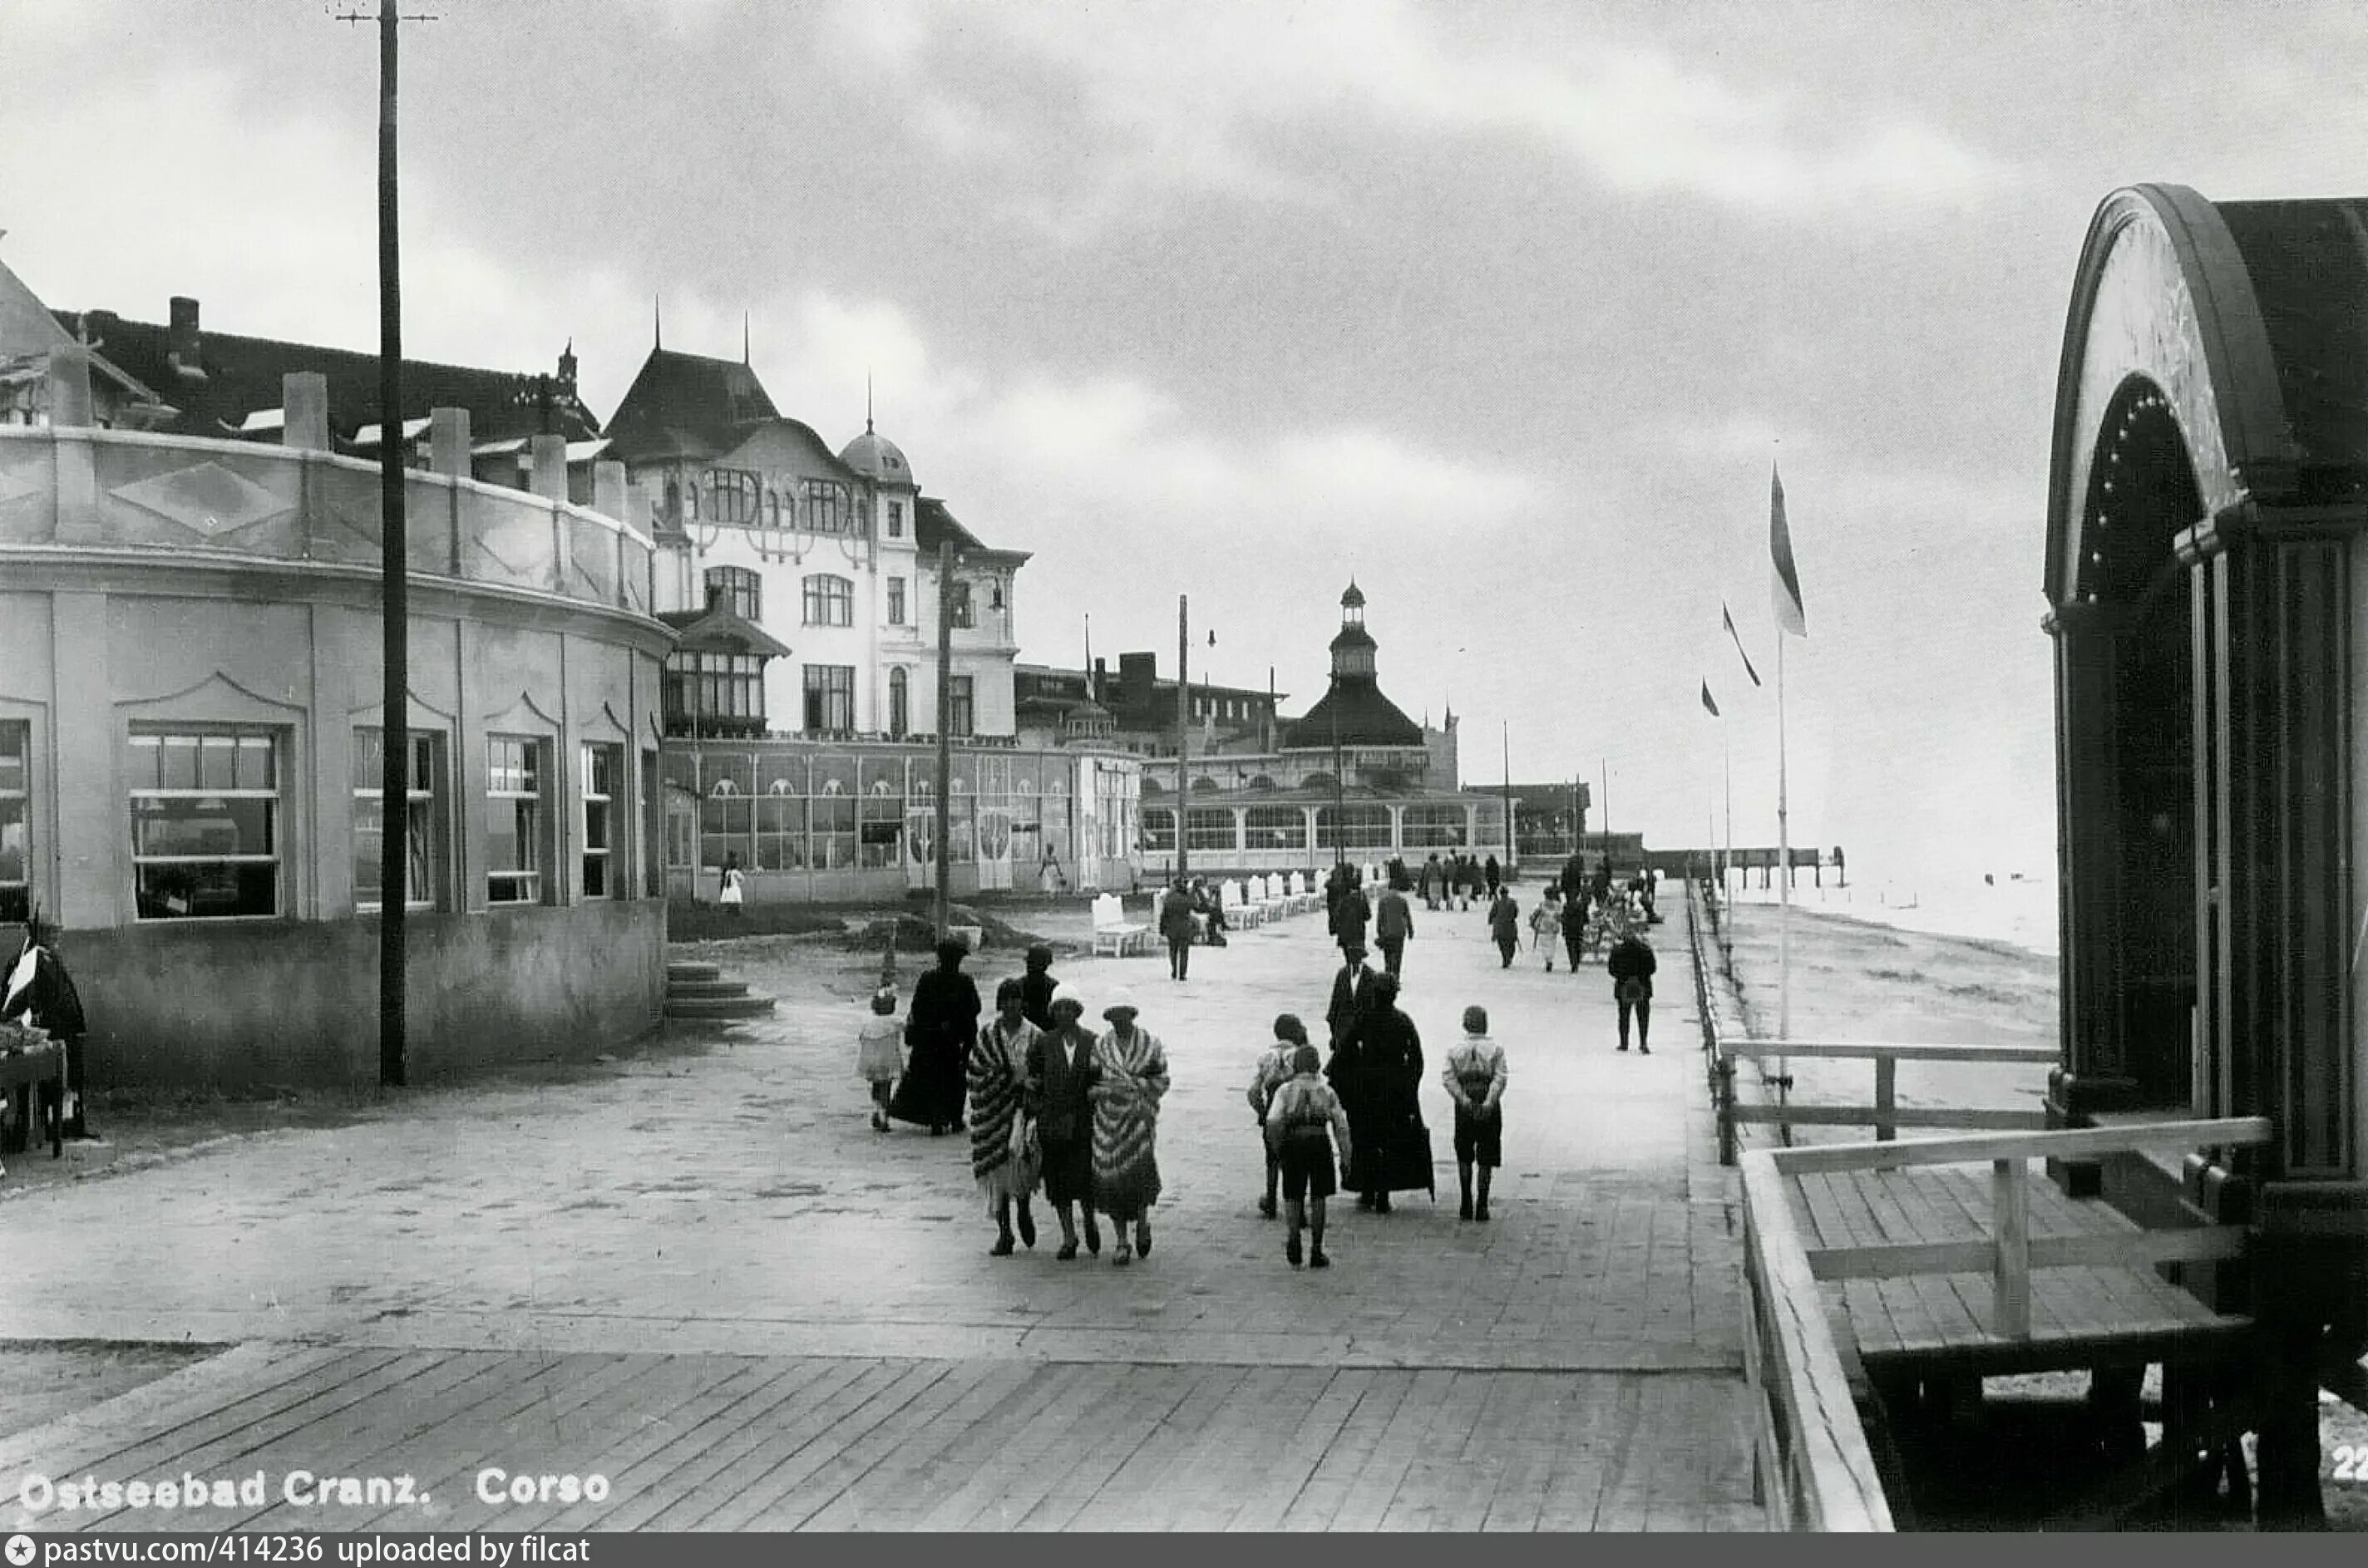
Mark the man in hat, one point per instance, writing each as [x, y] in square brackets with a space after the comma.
[1352, 991]
[37, 990]
[1058, 1093]
[1632, 964]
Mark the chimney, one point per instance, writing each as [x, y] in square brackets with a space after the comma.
[185, 348]
[1101, 682]
[98, 326]
[567, 369]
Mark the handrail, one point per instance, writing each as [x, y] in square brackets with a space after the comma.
[2070, 1144]
[1885, 1115]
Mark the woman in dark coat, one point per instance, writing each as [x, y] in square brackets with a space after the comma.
[1376, 1070]
[1060, 1075]
[1036, 987]
[939, 1028]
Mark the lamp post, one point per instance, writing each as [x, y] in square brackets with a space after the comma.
[1183, 726]
[945, 726]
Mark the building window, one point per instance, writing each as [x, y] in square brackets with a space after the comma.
[830, 697]
[829, 506]
[895, 601]
[205, 823]
[603, 774]
[514, 818]
[1434, 827]
[1158, 829]
[1274, 827]
[960, 717]
[16, 824]
[421, 882]
[895, 519]
[1210, 827]
[830, 601]
[900, 705]
[1361, 827]
[963, 615]
[739, 590]
[700, 687]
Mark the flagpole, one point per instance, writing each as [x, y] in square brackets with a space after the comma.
[1784, 877]
[1726, 748]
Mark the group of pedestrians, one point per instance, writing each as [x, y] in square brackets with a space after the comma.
[1459, 879]
[1052, 1104]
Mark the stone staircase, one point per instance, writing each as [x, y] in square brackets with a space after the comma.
[698, 991]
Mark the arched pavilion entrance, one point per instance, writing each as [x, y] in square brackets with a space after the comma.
[2207, 578]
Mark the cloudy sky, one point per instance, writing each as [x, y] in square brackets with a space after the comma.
[1503, 309]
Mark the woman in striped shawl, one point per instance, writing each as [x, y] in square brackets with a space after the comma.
[1005, 1168]
[1133, 1068]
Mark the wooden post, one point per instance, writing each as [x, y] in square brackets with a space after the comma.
[1183, 729]
[2011, 1276]
[945, 727]
[1886, 1098]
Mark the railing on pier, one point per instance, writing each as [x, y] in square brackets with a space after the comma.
[1886, 1115]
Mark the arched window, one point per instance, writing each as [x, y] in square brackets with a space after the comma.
[740, 590]
[900, 710]
[829, 600]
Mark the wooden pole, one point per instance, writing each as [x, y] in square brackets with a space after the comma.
[1504, 735]
[945, 731]
[1183, 727]
[393, 573]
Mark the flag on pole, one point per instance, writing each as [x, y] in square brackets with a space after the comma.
[1728, 616]
[1787, 583]
[1707, 702]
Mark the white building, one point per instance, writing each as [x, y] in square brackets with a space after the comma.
[834, 558]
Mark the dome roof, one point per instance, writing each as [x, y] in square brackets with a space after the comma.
[877, 458]
[1354, 598]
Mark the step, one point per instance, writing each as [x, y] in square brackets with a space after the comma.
[690, 968]
[718, 1006]
[678, 989]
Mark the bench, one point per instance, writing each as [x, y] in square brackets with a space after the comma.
[1114, 931]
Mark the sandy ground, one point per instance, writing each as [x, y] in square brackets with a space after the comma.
[1857, 979]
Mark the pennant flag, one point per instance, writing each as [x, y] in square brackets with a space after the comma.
[1787, 582]
[1707, 702]
[1728, 617]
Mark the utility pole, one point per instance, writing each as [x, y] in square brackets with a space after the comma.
[1183, 725]
[394, 798]
[1339, 789]
[1505, 735]
[945, 729]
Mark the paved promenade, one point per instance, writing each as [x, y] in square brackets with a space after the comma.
[709, 1280]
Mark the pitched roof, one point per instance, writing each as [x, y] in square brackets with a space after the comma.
[29, 331]
[1366, 719]
[690, 406]
[716, 629]
[934, 526]
[243, 377]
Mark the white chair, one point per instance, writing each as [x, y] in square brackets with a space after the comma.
[1113, 931]
[1301, 900]
[1271, 895]
[1239, 912]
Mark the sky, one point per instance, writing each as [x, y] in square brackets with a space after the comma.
[1505, 310]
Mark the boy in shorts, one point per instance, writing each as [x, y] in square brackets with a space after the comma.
[1272, 1071]
[1300, 1127]
[1475, 1076]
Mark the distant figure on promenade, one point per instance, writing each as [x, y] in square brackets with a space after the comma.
[1353, 993]
[1003, 1158]
[1036, 987]
[733, 888]
[1060, 1075]
[1494, 873]
[1131, 1079]
[1572, 880]
[1475, 1076]
[1546, 923]
[939, 1027]
[1350, 918]
[1336, 883]
[36, 989]
[1601, 888]
[1175, 926]
[1393, 924]
[879, 1052]
[1505, 923]
[1302, 1121]
[1632, 964]
[1377, 1071]
[1273, 1071]
[1574, 927]
[1209, 904]
[1467, 886]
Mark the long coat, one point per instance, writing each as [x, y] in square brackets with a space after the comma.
[1377, 1072]
[1132, 1080]
[1350, 916]
[1353, 993]
[940, 1028]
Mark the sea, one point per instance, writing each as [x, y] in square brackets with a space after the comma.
[2019, 911]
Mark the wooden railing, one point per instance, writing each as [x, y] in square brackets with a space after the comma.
[1886, 1115]
[1814, 1468]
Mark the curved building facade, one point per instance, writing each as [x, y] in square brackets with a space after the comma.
[191, 732]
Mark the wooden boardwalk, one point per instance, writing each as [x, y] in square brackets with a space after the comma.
[825, 1443]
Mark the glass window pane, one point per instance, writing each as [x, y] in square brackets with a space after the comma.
[202, 825]
[202, 889]
[369, 759]
[181, 763]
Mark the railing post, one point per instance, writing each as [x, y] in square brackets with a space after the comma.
[1886, 1098]
[2010, 1280]
[1726, 1111]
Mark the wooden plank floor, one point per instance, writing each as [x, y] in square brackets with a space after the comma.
[738, 1442]
[2077, 1313]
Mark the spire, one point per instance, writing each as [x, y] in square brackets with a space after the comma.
[657, 326]
[743, 337]
[866, 402]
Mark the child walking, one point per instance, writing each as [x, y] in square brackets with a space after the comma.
[1475, 1081]
[1300, 1127]
[879, 1052]
[1546, 927]
[1273, 1071]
